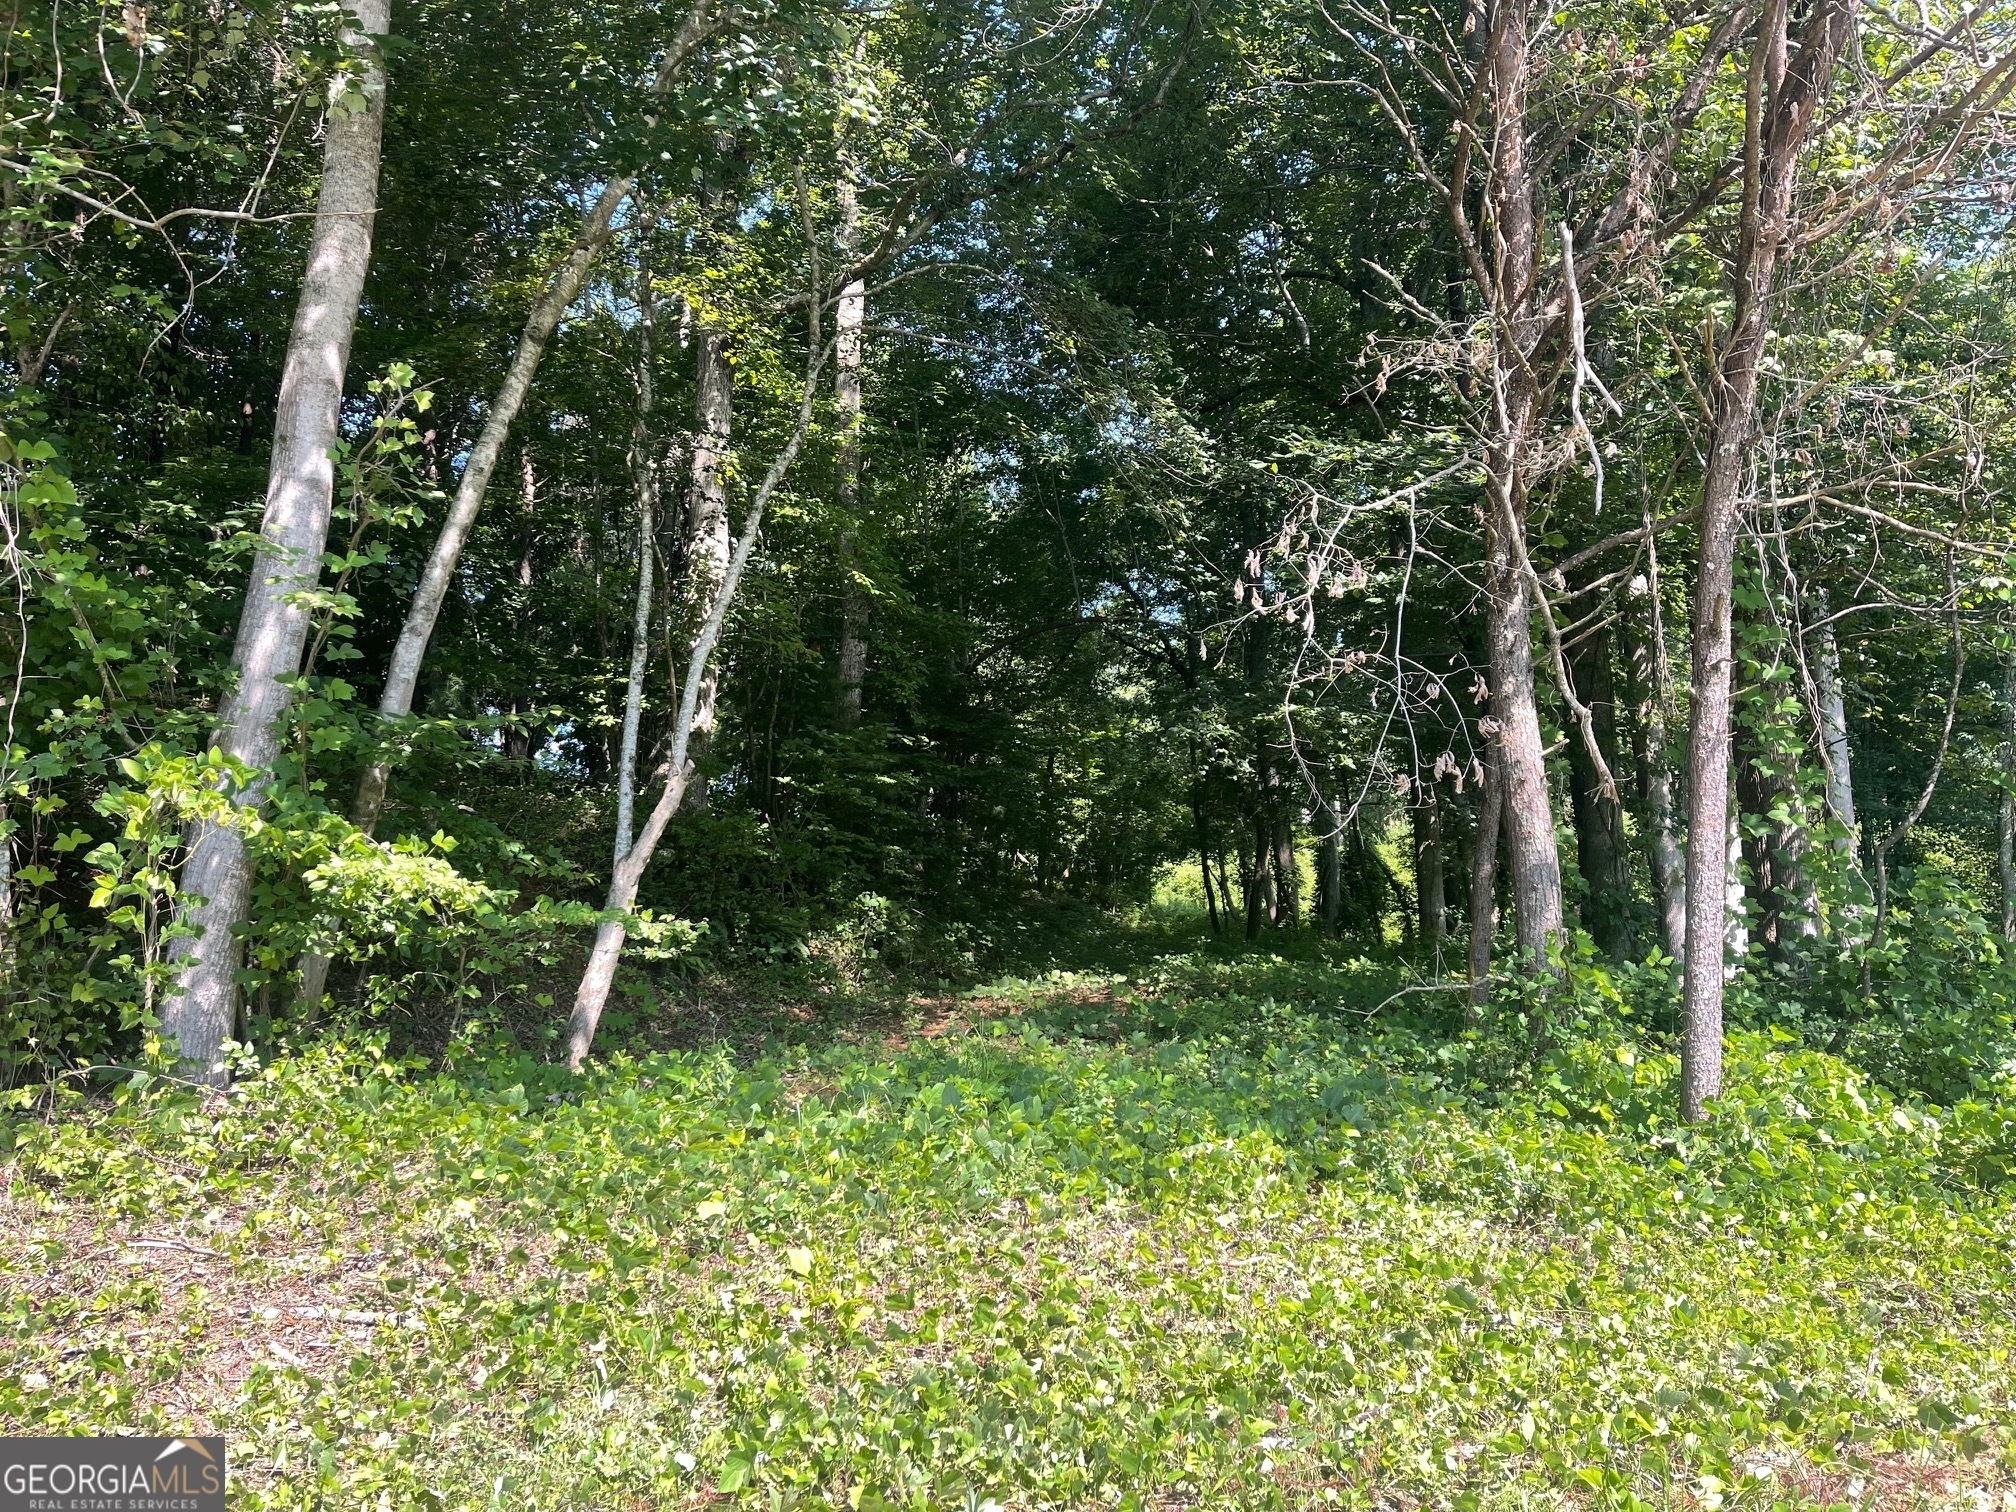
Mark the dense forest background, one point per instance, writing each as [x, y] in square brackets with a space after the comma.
[1021, 755]
[927, 474]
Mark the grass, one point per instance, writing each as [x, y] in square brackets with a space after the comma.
[1208, 1234]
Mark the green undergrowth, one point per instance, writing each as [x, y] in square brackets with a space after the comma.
[1173, 1241]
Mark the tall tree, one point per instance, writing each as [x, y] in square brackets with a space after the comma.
[199, 1010]
[1781, 106]
[850, 318]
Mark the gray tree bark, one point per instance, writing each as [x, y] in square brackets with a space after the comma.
[644, 471]
[1532, 857]
[1780, 108]
[1533, 861]
[1839, 766]
[198, 1012]
[1735, 920]
[1484, 879]
[1653, 673]
[708, 546]
[1430, 890]
[402, 676]
[600, 973]
[849, 319]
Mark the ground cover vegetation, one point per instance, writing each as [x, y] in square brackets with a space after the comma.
[1205, 1232]
[1183, 752]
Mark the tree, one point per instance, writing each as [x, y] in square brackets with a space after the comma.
[1781, 105]
[273, 626]
[597, 226]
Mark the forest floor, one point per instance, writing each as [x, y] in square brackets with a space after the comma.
[1184, 1228]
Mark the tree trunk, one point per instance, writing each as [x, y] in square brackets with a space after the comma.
[1653, 674]
[1430, 900]
[1600, 849]
[1266, 894]
[1838, 764]
[528, 512]
[403, 675]
[1774, 843]
[707, 542]
[848, 320]
[1332, 865]
[1735, 918]
[644, 470]
[1287, 872]
[1484, 879]
[521, 738]
[1531, 855]
[1204, 858]
[1771, 157]
[600, 973]
[1753, 795]
[1533, 860]
[1252, 871]
[272, 628]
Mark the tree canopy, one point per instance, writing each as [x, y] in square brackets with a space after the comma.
[844, 482]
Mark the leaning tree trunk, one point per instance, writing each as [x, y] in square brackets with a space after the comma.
[1772, 148]
[403, 675]
[216, 879]
[600, 973]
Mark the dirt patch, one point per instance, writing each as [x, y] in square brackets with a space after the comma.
[1897, 1482]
